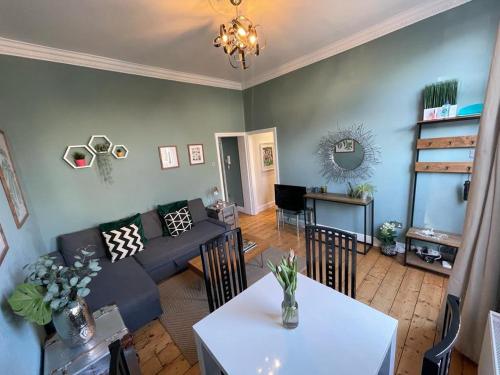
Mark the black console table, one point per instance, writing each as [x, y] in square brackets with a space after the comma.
[345, 199]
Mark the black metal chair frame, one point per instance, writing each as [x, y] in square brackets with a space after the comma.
[437, 359]
[117, 363]
[223, 267]
[327, 237]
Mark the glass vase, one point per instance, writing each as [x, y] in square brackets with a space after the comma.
[289, 311]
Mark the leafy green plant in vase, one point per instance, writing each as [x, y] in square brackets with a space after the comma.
[286, 274]
[361, 191]
[387, 234]
[54, 292]
[79, 158]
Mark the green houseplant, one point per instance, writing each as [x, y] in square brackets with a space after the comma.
[55, 292]
[286, 274]
[79, 158]
[361, 191]
[104, 164]
[387, 234]
[440, 100]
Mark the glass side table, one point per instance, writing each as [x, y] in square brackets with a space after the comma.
[93, 357]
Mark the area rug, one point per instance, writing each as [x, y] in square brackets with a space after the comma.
[184, 301]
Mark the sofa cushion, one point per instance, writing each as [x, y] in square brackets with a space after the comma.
[164, 209]
[197, 210]
[178, 222]
[123, 242]
[128, 286]
[152, 224]
[68, 244]
[117, 224]
[166, 255]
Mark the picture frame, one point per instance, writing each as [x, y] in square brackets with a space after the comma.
[169, 157]
[267, 156]
[196, 154]
[11, 184]
[345, 146]
[4, 245]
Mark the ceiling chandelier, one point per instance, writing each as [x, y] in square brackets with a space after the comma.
[239, 39]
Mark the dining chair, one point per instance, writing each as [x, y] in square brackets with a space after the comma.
[117, 363]
[437, 359]
[331, 258]
[223, 267]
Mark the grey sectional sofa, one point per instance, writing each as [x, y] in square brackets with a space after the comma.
[131, 282]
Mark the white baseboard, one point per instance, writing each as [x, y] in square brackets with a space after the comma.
[244, 210]
[264, 207]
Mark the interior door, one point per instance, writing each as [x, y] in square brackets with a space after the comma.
[231, 170]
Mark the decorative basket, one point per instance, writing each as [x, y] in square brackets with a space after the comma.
[389, 250]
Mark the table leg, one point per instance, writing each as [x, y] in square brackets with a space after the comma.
[373, 221]
[364, 230]
[208, 366]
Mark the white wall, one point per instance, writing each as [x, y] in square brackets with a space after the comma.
[245, 177]
[263, 181]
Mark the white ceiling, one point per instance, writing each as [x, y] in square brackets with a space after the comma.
[177, 35]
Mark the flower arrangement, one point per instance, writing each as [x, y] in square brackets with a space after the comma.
[51, 287]
[387, 232]
[286, 274]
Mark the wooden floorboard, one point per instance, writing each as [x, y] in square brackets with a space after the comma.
[412, 296]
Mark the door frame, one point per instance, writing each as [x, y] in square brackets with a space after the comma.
[247, 166]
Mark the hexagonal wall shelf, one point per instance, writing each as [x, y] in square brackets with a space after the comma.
[68, 156]
[120, 155]
[100, 139]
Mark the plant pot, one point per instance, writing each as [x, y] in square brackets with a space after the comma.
[440, 112]
[364, 196]
[389, 250]
[75, 323]
[289, 311]
[120, 154]
[80, 162]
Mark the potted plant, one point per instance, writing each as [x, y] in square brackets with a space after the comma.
[440, 100]
[387, 234]
[104, 164]
[286, 274]
[361, 191]
[120, 152]
[79, 159]
[54, 292]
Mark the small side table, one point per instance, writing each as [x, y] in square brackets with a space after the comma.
[93, 357]
[225, 212]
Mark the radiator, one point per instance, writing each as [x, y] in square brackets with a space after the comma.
[489, 362]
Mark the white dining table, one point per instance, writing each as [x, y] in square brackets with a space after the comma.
[336, 334]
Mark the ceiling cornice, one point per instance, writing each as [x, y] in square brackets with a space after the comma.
[399, 21]
[390, 25]
[38, 52]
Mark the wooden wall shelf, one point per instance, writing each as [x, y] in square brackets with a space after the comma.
[450, 119]
[444, 167]
[467, 141]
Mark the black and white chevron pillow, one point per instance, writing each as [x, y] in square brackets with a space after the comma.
[178, 222]
[123, 242]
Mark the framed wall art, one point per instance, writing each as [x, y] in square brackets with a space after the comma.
[169, 157]
[4, 246]
[267, 156]
[196, 155]
[11, 184]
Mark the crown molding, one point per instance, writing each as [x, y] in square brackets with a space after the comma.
[399, 21]
[38, 52]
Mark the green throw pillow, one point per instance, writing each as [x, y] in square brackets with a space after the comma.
[164, 209]
[112, 225]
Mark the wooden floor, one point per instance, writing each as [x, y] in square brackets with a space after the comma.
[410, 295]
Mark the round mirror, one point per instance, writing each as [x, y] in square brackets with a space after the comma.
[348, 154]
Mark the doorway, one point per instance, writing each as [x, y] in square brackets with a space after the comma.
[248, 168]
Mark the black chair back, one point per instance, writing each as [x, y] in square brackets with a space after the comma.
[223, 267]
[331, 258]
[437, 359]
[117, 363]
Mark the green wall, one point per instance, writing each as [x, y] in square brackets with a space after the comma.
[47, 106]
[379, 84]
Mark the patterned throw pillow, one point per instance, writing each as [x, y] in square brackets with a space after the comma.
[123, 242]
[178, 221]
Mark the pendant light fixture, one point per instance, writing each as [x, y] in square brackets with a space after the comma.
[238, 39]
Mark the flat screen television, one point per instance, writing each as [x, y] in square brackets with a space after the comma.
[289, 197]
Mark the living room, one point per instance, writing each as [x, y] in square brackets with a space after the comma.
[130, 146]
